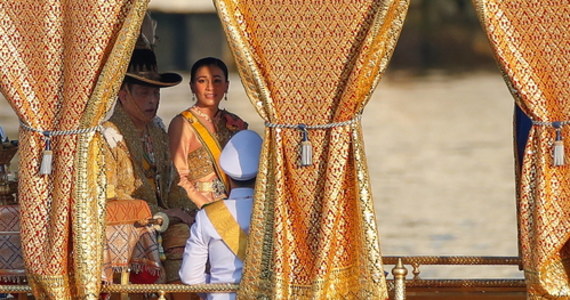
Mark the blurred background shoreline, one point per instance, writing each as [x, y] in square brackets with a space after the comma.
[438, 130]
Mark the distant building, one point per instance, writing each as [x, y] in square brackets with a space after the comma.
[444, 35]
[187, 31]
[182, 6]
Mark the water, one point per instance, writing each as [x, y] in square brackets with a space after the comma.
[440, 156]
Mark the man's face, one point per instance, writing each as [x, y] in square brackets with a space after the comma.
[140, 101]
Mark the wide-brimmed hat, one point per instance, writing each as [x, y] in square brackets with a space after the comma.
[143, 70]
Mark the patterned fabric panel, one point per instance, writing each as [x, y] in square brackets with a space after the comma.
[128, 247]
[62, 65]
[9, 218]
[313, 232]
[145, 254]
[531, 41]
[127, 211]
[11, 260]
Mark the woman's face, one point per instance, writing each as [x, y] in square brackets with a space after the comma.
[209, 85]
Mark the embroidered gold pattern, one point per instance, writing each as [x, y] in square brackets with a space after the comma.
[144, 186]
[62, 64]
[531, 41]
[223, 133]
[201, 164]
[313, 232]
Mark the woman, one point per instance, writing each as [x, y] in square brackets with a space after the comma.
[198, 134]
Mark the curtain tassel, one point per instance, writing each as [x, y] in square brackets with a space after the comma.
[306, 147]
[47, 158]
[558, 145]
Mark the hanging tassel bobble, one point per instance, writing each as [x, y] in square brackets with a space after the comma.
[159, 230]
[161, 253]
[306, 147]
[47, 157]
[558, 145]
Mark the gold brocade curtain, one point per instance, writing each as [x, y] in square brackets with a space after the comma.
[61, 65]
[313, 232]
[531, 40]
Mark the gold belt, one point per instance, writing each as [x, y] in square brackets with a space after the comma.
[215, 186]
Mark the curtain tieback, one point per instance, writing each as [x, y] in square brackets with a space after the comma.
[558, 141]
[47, 158]
[306, 146]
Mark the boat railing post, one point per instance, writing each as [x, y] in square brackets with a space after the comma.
[162, 295]
[399, 272]
[125, 280]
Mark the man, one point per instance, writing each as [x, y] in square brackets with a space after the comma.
[219, 235]
[137, 157]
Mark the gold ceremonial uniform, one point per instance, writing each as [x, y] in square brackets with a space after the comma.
[139, 167]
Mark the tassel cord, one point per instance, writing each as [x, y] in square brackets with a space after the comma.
[47, 158]
[313, 127]
[306, 148]
[558, 145]
[50, 133]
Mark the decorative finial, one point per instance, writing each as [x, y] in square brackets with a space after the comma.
[147, 37]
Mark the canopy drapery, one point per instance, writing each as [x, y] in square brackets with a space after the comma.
[531, 42]
[313, 232]
[62, 63]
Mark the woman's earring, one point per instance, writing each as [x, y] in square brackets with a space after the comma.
[226, 97]
[193, 97]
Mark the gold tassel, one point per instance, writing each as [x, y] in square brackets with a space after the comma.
[306, 147]
[47, 158]
[558, 145]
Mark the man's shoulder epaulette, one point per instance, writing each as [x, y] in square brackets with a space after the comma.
[111, 134]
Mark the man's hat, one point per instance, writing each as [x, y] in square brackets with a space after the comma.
[144, 71]
[240, 156]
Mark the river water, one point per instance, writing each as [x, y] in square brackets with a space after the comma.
[440, 159]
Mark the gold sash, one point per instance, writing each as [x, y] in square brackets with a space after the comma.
[227, 227]
[210, 143]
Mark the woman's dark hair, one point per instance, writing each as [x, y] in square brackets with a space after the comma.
[208, 61]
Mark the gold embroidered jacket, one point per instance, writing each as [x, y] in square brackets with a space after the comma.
[128, 174]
